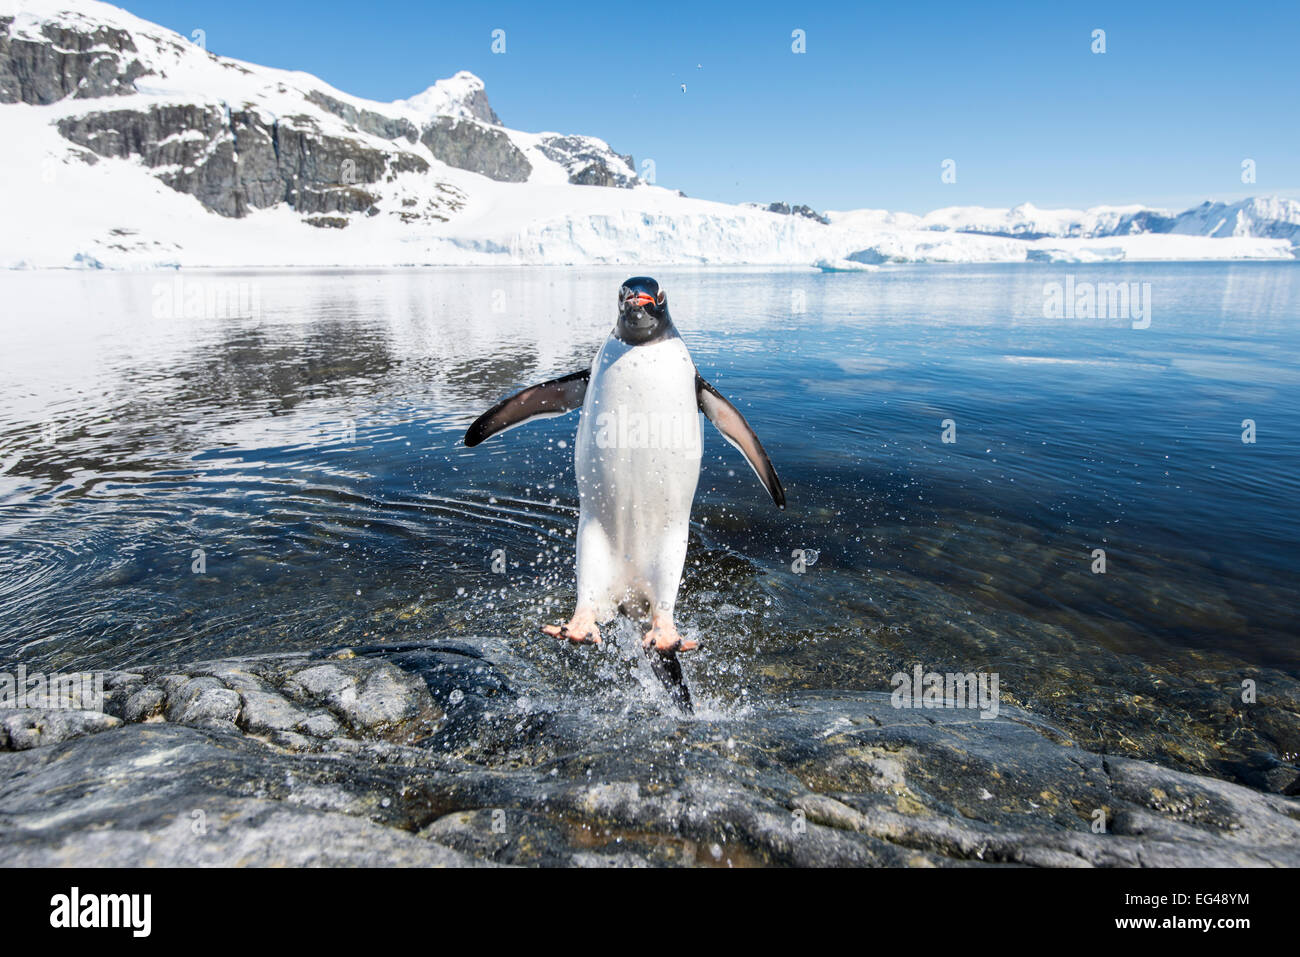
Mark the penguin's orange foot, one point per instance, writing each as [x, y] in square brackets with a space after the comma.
[578, 631]
[665, 640]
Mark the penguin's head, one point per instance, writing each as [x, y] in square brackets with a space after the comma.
[642, 311]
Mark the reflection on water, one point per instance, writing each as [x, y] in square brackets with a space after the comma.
[291, 476]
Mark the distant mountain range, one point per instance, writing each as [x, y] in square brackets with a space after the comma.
[1264, 218]
[129, 146]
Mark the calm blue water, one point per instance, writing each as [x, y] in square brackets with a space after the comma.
[309, 447]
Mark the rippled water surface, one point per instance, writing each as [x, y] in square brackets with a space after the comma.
[179, 486]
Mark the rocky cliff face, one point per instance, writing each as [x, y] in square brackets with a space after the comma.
[64, 61]
[368, 121]
[468, 145]
[234, 161]
[590, 162]
[261, 138]
[807, 212]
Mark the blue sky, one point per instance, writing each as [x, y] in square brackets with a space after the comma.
[865, 118]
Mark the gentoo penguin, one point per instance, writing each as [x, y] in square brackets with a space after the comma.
[637, 459]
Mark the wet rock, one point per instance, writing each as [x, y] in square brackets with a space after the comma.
[218, 707]
[370, 697]
[145, 704]
[291, 699]
[466, 751]
[264, 712]
[23, 728]
[527, 839]
[1265, 772]
[485, 834]
[202, 701]
[170, 795]
[319, 725]
[119, 688]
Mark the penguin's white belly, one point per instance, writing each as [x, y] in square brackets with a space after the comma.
[637, 459]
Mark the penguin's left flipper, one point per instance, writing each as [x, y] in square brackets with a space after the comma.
[728, 420]
[541, 401]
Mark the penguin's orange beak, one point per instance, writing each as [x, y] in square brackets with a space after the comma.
[639, 299]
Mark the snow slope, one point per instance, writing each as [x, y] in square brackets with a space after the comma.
[78, 190]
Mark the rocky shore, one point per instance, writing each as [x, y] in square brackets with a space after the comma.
[457, 752]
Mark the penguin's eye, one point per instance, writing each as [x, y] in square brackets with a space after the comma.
[662, 297]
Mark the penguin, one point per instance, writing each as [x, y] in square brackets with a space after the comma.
[637, 460]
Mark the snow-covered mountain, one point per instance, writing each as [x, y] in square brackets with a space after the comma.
[461, 96]
[1269, 216]
[130, 146]
[1262, 218]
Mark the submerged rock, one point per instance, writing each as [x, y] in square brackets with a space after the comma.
[460, 752]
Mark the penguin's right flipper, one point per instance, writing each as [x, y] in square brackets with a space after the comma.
[541, 401]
